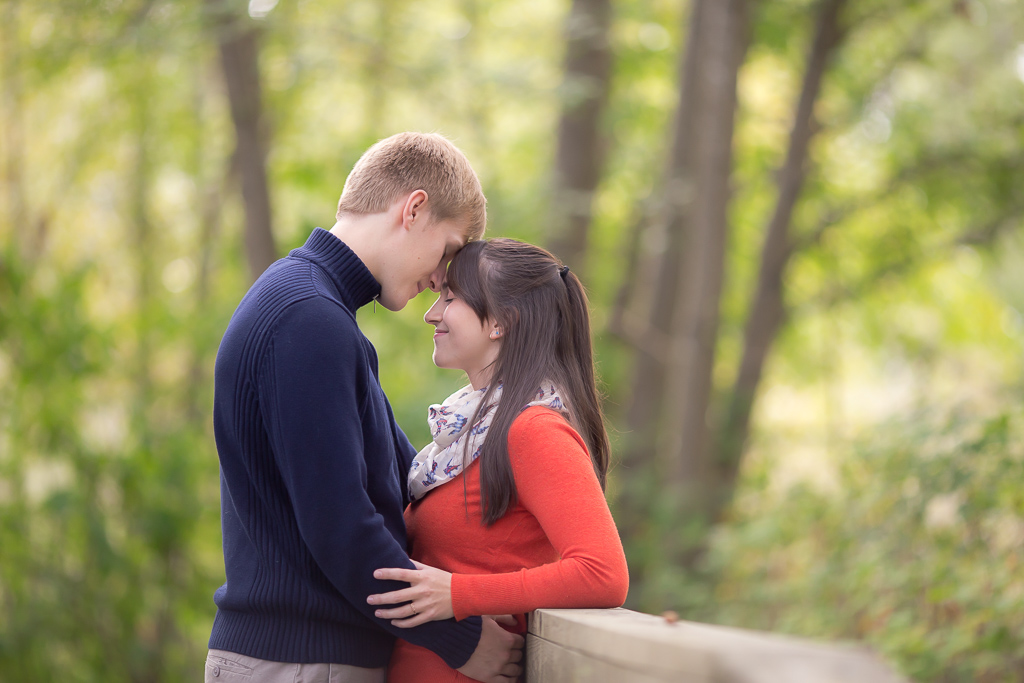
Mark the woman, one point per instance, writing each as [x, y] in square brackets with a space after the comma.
[508, 511]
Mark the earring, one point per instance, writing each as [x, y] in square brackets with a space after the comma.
[495, 334]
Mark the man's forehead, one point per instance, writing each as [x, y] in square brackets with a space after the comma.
[460, 236]
[454, 242]
[450, 250]
[456, 232]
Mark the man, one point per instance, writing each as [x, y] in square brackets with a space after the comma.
[312, 462]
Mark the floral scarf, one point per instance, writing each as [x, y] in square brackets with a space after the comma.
[441, 460]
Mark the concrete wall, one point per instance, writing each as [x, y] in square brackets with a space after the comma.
[600, 646]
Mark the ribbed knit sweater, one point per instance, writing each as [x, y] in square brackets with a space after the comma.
[313, 472]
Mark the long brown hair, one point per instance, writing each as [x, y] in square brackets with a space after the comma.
[545, 321]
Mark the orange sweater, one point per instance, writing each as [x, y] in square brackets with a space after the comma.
[557, 547]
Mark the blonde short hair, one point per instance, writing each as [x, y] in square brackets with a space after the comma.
[407, 162]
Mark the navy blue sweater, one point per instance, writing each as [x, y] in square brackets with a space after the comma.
[312, 472]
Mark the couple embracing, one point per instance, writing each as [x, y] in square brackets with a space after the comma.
[340, 536]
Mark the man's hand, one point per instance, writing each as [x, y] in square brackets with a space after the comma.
[498, 657]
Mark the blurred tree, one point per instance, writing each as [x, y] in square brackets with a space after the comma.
[767, 307]
[695, 309]
[578, 160]
[14, 132]
[675, 339]
[238, 42]
[651, 286]
[681, 422]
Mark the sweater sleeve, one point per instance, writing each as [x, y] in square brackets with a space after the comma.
[312, 387]
[556, 483]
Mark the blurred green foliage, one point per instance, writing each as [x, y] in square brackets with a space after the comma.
[860, 514]
[913, 547]
[107, 521]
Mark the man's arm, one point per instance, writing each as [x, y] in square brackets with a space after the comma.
[497, 658]
[405, 453]
[309, 394]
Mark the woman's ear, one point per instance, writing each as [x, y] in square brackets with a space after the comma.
[496, 333]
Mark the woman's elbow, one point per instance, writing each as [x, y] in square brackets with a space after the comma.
[616, 586]
[618, 592]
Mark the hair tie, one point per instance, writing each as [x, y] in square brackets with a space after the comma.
[563, 271]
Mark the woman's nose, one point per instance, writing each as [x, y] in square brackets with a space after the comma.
[433, 314]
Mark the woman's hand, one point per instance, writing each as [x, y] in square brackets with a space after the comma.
[429, 596]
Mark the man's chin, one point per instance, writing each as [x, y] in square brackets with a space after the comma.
[391, 304]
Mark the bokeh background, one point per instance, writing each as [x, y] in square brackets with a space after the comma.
[800, 222]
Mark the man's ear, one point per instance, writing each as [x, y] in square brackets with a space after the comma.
[415, 209]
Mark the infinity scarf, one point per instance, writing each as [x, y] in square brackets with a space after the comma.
[444, 458]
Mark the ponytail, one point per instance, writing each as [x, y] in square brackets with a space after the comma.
[578, 355]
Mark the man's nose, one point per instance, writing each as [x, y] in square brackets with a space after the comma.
[437, 278]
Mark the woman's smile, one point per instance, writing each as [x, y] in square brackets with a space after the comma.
[468, 345]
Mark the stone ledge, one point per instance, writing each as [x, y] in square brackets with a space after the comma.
[605, 645]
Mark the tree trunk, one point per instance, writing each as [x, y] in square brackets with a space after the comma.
[646, 512]
[142, 234]
[767, 309]
[580, 145]
[14, 158]
[685, 445]
[660, 260]
[239, 56]
[209, 201]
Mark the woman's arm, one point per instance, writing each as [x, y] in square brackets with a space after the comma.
[555, 481]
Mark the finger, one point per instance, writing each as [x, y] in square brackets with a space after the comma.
[393, 598]
[515, 656]
[511, 670]
[406, 611]
[518, 641]
[402, 612]
[420, 565]
[411, 621]
[506, 619]
[395, 574]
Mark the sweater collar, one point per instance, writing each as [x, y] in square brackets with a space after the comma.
[354, 280]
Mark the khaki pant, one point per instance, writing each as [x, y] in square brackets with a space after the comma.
[230, 667]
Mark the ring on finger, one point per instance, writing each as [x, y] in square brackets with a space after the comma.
[413, 608]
